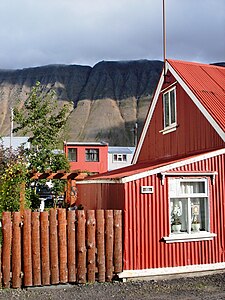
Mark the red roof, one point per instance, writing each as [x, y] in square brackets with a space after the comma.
[207, 82]
[146, 166]
[124, 172]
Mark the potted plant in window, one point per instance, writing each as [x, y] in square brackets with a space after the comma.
[195, 225]
[176, 223]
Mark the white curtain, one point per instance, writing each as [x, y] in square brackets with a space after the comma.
[192, 187]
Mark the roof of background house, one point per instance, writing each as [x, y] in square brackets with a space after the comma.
[86, 143]
[121, 150]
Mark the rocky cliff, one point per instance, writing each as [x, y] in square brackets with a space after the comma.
[108, 98]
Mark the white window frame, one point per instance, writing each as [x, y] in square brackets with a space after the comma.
[116, 157]
[172, 125]
[175, 193]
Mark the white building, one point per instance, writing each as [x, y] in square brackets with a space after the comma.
[119, 157]
[15, 142]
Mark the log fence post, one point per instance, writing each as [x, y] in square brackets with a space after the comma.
[62, 224]
[53, 243]
[81, 247]
[16, 250]
[27, 255]
[91, 248]
[45, 258]
[6, 248]
[117, 254]
[71, 237]
[36, 247]
[109, 244]
[100, 244]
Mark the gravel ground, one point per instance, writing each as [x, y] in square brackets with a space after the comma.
[186, 288]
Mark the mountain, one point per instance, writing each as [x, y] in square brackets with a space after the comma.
[108, 98]
[219, 64]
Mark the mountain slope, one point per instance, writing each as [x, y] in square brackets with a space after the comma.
[108, 98]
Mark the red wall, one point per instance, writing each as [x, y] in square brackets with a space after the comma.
[146, 222]
[194, 134]
[101, 196]
[146, 219]
[94, 167]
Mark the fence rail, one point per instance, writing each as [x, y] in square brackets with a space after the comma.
[60, 246]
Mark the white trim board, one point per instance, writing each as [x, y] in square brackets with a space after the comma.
[148, 118]
[99, 181]
[171, 270]
[158, 170]
[209, 118]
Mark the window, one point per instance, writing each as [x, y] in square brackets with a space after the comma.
[169, 108]
[119, 157]
[72, 154]
[92, 154]
[189, 205]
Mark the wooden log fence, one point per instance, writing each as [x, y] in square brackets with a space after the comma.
[60, 246]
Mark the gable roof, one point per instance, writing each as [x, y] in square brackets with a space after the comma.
[207, 82]
[141, 170]
[205, 85]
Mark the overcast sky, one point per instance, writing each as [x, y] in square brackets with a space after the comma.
[41, 32]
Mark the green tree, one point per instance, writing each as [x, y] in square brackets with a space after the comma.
[43, 120]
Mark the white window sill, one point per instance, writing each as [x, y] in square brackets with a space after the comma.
[169, 129]
[191, 237]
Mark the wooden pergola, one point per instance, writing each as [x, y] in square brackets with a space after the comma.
[61, 174]
[70, 177]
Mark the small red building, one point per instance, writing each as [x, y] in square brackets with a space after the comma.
[91, 157]
[173, 196]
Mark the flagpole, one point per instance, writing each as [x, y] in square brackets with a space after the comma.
[11, 126]
[164, 36]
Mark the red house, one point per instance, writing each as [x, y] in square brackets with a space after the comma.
[91, 157]
[173, 196]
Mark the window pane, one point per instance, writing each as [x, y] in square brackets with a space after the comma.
[179, 215]
[199, 213]
[166, 109]
[119, 157]
[172, 107]
[115, 157]
[92, 154]
[72, 154]
[192, 187]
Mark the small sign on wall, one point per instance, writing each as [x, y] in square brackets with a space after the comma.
[147, 189]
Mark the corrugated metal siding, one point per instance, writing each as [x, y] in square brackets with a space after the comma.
[101, 196]
[147, 221]
[142, 213]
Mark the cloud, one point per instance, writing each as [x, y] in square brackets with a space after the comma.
[85, 31]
